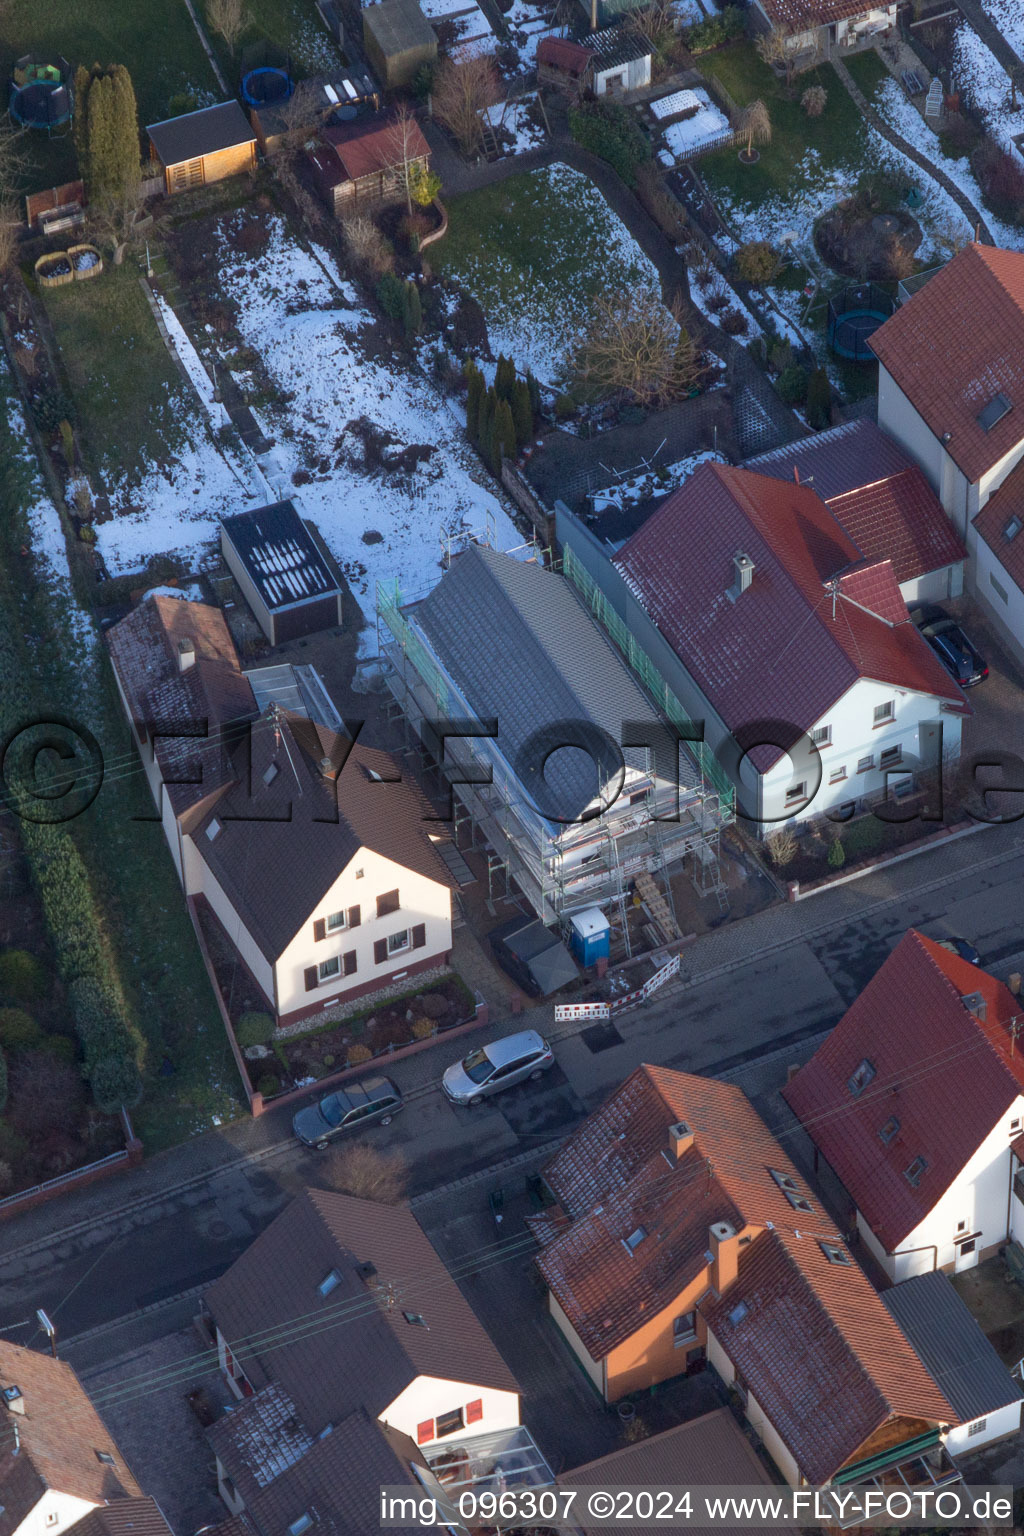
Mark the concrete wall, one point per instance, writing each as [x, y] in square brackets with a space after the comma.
[994, 1426]
[260, 611]
[898, 417]
[237, 932]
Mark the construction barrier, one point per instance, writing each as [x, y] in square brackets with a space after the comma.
[566, 1011]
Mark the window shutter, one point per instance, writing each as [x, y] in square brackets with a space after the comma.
[387, 903]
[424, 1431]
[354, 917]
[319, 930]
[310, 975]
[419, 935]
[348, 963]
[380, 951]
[475, 1411]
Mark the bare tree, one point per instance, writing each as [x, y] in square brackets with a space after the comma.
[781, 846]
[402, 141]
[13, 159]
[814, 100]
[755, 126]
[229, 18]
[631, 344]
[367, 1173]
[300, 115]
[463, 89]
[115, 218]
[10, 234]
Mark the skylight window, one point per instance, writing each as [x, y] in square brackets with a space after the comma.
[270, 773]
[635, 1238]
[415, 1319]
[890, 1130]
[914, 1172]
[299, 1526]
[106, 1458]
[993, 412]
[835, 1254]
[785, 1181]
[328, 1283]
[738, 1313]
[863, 1075]
[1013, 527]
[798, 1202]
[213, 829]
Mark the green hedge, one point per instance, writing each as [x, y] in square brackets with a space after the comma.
[715, 30]
[612, 133]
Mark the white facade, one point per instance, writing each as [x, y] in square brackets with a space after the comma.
[429, 1399]
[976, 1213]
[964, 1439]
[595, 1369]
[614, 79]
[756, 1416]
[55, 1511]
[874, 734]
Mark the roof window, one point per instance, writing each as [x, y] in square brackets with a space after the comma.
[738, 1313]
[785, 1181]
[914, 1172]
[270, 773]
[213, 829]
[106, 1458]
[416, 1319]
[635, 1238]
[890, 1130]
[799, 1202]
[860, 1078]
[328, 1283]
[300, 1525]
[1013, 527]
[993, 412]
[836, 1254]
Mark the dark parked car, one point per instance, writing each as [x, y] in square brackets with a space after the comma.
[962, 948]
[374, 1101]
[959, 657]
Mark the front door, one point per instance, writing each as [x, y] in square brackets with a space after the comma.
[966, 1255]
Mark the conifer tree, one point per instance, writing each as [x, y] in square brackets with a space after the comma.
[488, 408]
[505, 378]
[503, 442]
[534, 388]
[474, 400]
[819, 400]
[107, 134]
[412, 310]
[522, 413]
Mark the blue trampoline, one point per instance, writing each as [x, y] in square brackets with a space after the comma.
[39, 93]
[853, 316]
[266, 86]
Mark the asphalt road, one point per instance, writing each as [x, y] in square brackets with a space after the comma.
[769, 985]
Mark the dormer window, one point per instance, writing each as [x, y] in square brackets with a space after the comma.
[836, 1254]
[1012, 528]
[861, 1077]
[993, 412]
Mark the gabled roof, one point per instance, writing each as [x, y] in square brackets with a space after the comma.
[369, 144]
[955, 346]
[949, 1340]
[798, 13]
[522, 649]
[56, 1443]
[562, 53]
[356, 1348]
[125, 1517]
[202, 132]
[792, 644]
[616, 1175]
[911, 1024]
[292, 809]
[712, 1449]
[876, 493]
[818, 1351]
[1000, 523]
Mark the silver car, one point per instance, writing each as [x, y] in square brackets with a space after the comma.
[499, 1065]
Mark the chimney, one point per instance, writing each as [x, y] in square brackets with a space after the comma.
[743, 568]
[186, 655]
[725, 1254]
[680, 1139]
[974, 1002]
[796, 474]
[13, 1399]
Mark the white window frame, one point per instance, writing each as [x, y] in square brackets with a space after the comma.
[821, 735]
[796, 793]
[885, 713]
[866, 764]
[336, 922]
[838, 775]
[327, 969]
[398, 948]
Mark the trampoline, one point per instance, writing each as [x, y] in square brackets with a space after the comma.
[39, 94]
[266, 86]
[853, 316]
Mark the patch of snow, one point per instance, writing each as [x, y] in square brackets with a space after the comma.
[984, 81]
[192, 363]
[717, 289]
[515, 119]
[1009, 18]
[191, 592]
[677, 103]
[663, 478]
[682, 138]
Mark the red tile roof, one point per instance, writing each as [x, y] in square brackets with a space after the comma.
[1003, 511]
[369, 145]
[787, 649]
[911, 1024]
[957, 344]
[563, 54]
[819, 1351]
[900, 517]
[835, 461]
[615, 1175]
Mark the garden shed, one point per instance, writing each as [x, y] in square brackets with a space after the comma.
[282, 570]
[621, 61]
[203, 146]
[398, 39]
[362, 162]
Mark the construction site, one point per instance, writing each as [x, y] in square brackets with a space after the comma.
[626, 852]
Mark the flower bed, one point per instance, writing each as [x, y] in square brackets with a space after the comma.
[364, 1038]
[86, 261]
[54, 270]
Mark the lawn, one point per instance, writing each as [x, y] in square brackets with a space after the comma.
[805, 153]
[867, 70]
[129, 396]
[533, 250]
[154, 39]
[292, 29]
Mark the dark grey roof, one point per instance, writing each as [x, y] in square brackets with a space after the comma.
[355, 1348]
[845, 458]
[278, 847]
[397, 25]
[279, 555]
[200, 133]
[521, 648]
[951, 1345]
[614, 45]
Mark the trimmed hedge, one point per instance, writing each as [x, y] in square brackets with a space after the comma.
[730, 23]
[22, 976]
[253, 1029]
[612, 133]
[19, 1030]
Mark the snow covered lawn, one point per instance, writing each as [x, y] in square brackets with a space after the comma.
[533, 251]
[1008, 16]
[692, 133]
[654, 482]
[516, 120]
[984, 81]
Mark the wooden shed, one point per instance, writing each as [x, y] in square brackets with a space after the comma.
[362, 162]
[203, 146]
[398, 38]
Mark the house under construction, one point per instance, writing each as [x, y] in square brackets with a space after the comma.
[565, 809]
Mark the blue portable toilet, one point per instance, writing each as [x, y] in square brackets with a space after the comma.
[590, 936]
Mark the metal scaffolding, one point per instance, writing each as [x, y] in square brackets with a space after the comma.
[559, 869]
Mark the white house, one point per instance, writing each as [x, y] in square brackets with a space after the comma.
[931, 1169]
[793, 647]
[59, 1462]
[314, 856]
[817, 27]
[951, 392]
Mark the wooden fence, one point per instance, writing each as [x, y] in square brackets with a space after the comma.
[37, 203]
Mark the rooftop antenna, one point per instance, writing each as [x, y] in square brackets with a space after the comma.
[280, 739]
